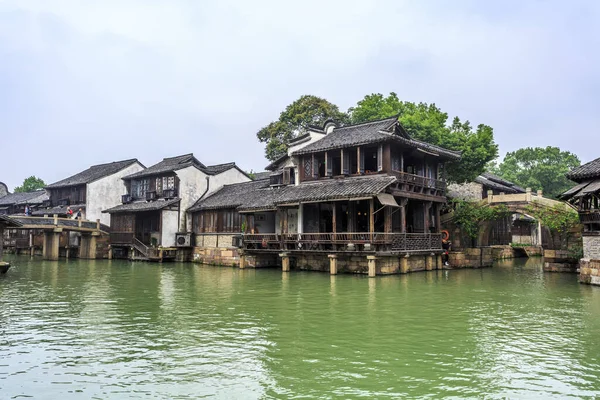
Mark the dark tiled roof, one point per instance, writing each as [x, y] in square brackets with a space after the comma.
[142, 206]
[262, 175]
[495, 182]
[217, 169]
[235, 195]
[259, 195]
[388, 129]
[335, 189]
[276, 162]
[93, 173]
[169, 165]
[585, 171]
[59, 210]
[6, 221]
[36, 197]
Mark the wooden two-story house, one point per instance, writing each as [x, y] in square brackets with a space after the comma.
[586, 197]
[93, 190]
[153, 210]
[366, 189]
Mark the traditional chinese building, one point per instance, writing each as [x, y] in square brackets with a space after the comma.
[586, 197]
[93, 190]
[152, 213]
[15, 203]
[366, 197]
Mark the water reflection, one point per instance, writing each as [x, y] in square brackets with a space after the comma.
[112, 329]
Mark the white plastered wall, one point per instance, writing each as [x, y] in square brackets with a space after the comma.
[192, 184]
[170, 226]
[106, 193]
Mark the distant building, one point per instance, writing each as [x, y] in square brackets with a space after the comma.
[15, 203]
[153, 209]
[93, 190]
[3, 189]
[586, 197]
[478, 189]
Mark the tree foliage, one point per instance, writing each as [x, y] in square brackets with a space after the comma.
[293, 121]
[428, 123]
[539, 168]
[560, 219]
[30, 184]
[469, 215]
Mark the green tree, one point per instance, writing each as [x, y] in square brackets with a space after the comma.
[560, 219]
[293, 121]
[469, 215]
[428, 123]
[539, 168]
[30, 184]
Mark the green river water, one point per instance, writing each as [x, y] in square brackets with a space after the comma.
[116, 329]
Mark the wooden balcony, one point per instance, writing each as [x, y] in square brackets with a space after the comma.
[169, 193]
[590, 217]
[344, 242]
[150, 196]
[126, 199]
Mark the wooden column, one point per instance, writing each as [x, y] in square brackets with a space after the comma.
[438, 223]
[1, 240]
[358, 160]
[372, 216]
[334, 217]
[426, 206]
[387, 215]
[401, 162]
[313, 166]
[403, 204]
[333, 264]
[351, 216]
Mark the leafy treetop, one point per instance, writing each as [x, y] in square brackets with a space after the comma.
[293, 121]
[538, 168]
[428, 123]
[30, 184]
[469, 215]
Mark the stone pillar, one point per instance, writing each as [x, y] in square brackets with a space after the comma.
[110, 252]
[490, 196]
[404, 264]
[333, 264]
[439, 262]
[372, 263]
[285, 262]
[87, 246]
[540, 193]
[528, 194]
[51, 243]
[242, 260]
[429, 262]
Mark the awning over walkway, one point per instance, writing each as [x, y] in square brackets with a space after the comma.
[387, 200]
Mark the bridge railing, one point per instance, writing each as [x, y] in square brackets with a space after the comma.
[77, 224]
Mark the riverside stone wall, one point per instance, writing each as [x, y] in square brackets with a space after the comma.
[591, 247]
[589, 271]
[472, 258]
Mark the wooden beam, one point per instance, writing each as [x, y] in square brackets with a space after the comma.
[418, 196]
[387, 215]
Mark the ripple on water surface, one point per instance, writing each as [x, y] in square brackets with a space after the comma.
[112, 329]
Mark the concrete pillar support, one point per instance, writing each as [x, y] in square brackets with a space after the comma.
[372, 263]
[333, 259]
[439, 262]
[285, 262]
[87, 246]
[404, 264]
[51, 243]
[429, 262]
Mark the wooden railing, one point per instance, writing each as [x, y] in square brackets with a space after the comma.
[590, 217]
[346, 241]
[141, 247]
[418, 180]
[121, 237]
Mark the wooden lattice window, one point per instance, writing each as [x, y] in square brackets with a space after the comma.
[308, 166]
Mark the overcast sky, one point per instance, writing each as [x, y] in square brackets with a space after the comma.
[87, 82]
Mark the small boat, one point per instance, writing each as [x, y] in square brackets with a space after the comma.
[4, 266]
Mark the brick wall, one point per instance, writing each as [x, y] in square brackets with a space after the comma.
[465, 191]
[589, 272]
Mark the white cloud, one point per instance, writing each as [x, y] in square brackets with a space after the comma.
[152, 78]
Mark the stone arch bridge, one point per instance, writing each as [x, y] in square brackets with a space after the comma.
[53, 227]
